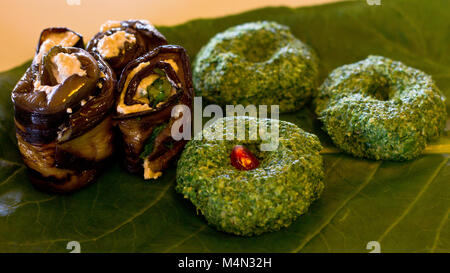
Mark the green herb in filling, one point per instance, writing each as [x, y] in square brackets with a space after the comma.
[159, 90]
[150, 142]
[159, 72]
[169, 145]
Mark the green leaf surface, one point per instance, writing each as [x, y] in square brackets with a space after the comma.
[405, 206]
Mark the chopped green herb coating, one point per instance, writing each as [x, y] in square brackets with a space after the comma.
[381, 109]
[263, 199]
[259, 63]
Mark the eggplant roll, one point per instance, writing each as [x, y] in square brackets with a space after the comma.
[120, 42]
[150, 87]
[54, 36]
[63, 114]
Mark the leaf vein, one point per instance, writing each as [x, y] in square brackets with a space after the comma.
[12, 175]
[438, 231]
[185, 239]
[139, 213]
[411, 205]
[132, 218]
[328, 221]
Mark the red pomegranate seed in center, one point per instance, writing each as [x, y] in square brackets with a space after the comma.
[242, 159]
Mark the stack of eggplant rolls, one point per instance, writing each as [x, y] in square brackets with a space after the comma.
[70, 99]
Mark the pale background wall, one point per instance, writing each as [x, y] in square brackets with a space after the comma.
[21, 21]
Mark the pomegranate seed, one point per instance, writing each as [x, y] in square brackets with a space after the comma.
[242, 159]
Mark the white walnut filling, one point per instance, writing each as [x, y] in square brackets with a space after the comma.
[112, 45]
[110, 24]
[126, 109]
[142, 89]
[66, 66]
[65, 39]
[43, 88]
[173, 64]
[148, 172]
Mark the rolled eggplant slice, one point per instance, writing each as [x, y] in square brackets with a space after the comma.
[63, 106]
[120, 42]
[150, 87]
[54, 36]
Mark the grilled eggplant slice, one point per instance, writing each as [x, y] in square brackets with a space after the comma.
[63, 114]
[54, 36]
[120, 42]
[150, 87]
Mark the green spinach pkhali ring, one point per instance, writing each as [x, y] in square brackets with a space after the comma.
[267, 197]
[381, 109]
[256, 63]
